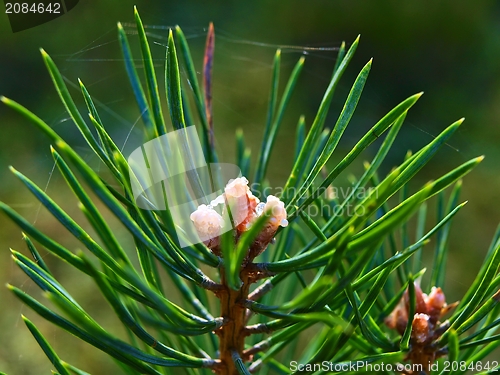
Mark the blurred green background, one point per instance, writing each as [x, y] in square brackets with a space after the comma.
[449, 49]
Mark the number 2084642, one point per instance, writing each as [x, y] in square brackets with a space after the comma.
[25, 8]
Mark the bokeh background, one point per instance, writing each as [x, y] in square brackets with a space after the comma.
[448, 49]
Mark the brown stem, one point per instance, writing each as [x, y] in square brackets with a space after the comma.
[256, 294]
[231, 335]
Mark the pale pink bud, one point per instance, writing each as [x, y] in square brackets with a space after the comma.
[238, 197]
[277, 211]
[242, 203]
[207, 221]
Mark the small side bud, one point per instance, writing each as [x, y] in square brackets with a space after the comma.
[435, 304]
[277, 212]
[398, 318]
[420, 298]
[421, 329]
[208, 224]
